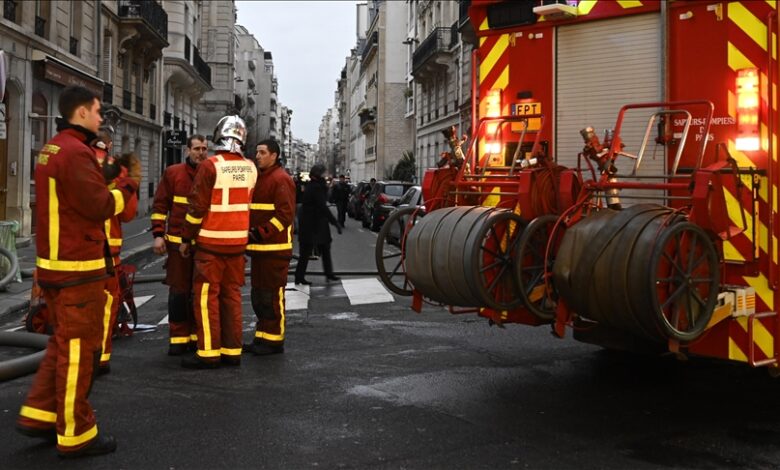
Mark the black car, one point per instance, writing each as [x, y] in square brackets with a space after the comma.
[357, 199]
[383, 193]
[411, 198]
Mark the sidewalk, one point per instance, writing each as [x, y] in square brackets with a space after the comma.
[16, 298]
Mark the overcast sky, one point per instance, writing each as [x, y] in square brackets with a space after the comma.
[309, 42]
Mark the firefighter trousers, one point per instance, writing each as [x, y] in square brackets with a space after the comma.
[110, 312]
[178, 277]
[217, 304]
[269, 278]
[58, 395]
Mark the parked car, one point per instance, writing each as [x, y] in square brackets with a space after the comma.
[384, 192]
[411, 198]
[357, 199]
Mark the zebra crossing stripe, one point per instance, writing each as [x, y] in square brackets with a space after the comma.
[366, 291]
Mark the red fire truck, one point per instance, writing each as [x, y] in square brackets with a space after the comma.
[619, 179]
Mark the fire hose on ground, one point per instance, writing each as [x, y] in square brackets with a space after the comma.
[24, 365]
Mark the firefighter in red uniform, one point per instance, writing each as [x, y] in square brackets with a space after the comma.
[218, 220]
[270, 248]
[170, 205]
[111, 171]
[73, 205]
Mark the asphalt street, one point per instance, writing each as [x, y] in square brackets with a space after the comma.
[375, 385]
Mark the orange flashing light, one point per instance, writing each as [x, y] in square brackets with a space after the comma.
[748, 90]
[492, 109]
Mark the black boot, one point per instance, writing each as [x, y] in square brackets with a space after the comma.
[193, 362]
[177, 349]
[49, 435]
[102, 444]
[264, 349]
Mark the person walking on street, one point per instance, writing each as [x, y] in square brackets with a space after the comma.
[73, 205]
[270, 248]
[112, 169]
[168, 212]
[218, 220]
[341, 197]
[314, 230]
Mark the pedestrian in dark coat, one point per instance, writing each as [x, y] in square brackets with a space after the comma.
[340, 194]
[314, 230]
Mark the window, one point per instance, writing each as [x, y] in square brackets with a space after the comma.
[76, 13]
[106, 72]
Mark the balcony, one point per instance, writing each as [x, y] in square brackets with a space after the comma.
[40, 26]
[367, 119]
[127, 100]
[433, 54]
[144, 25]
[201, 66]
[466, 29]
[9, 10]
[108, 93]
[372, 43]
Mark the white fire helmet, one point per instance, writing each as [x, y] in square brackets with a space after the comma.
[230, 135]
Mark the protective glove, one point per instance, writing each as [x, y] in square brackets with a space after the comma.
[254, 235]
[133, 165]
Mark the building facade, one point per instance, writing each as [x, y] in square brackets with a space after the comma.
[219, 46]
[440, 92]
[186, 78]
[113, 48]
[253, 85]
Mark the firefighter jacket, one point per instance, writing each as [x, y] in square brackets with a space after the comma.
[114, 223]
[170, 201]
[73, 204]
[272, 213]
[218, 213]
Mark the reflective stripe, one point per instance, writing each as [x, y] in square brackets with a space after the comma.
[114, 242]
[209, 353]
[204, 316]
[106, 325]
[230, 351]
[61, 265]
[71, 383]
[268, 336]
[173, 238]
[193, 337]
[159, 217]
[72, 441]
[119, 201]
[223, 233]
[262, 207]
[180, 200]
[229, 207]
[180, 339]
[54, 220]
[277, 224]
[193, 220]
[269, 247]
[38, 415]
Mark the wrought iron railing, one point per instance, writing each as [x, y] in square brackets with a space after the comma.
[149, 11]
[440, 40]
[201, 66]
[371, 43]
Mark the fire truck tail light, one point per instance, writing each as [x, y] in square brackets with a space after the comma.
[493, 103]
[747, 110]
[494, 148]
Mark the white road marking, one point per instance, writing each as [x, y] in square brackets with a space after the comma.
[296, 297]
[366, 291]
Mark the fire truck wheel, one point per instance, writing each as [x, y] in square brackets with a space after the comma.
[494, 276]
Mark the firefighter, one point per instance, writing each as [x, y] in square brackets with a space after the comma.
[73, 205]
[170, 208]
[270, 248]
[218, 221]
[112, 169]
